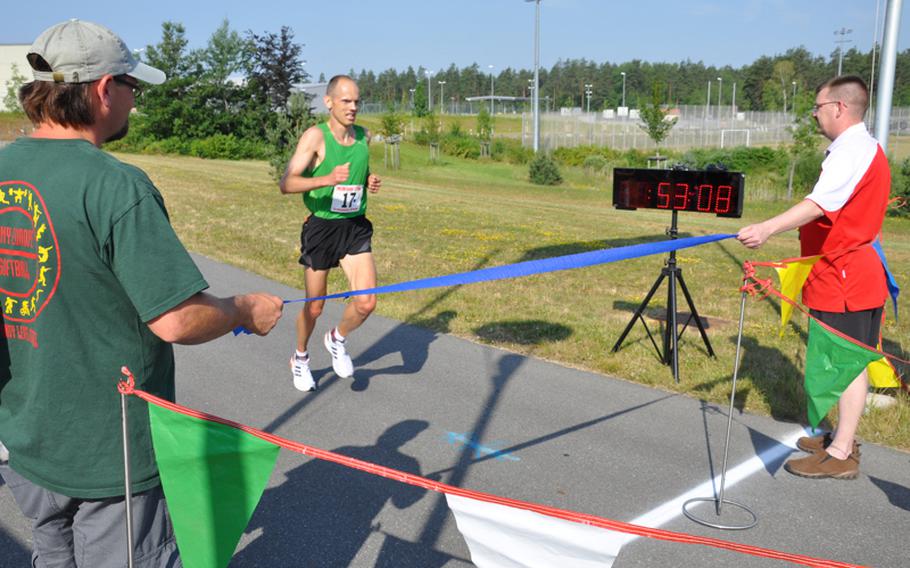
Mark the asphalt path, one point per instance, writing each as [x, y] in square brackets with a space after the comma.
[513, 425]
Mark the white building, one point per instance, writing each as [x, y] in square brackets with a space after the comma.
[12, 54]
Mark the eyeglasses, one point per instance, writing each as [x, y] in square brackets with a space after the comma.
[817, 106]
[135, 87]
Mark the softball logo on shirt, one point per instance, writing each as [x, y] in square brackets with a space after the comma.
[29, 258]
[346, 198]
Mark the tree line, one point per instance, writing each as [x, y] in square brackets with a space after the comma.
[768, 83]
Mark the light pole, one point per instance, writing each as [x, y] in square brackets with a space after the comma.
[733, 103]
[442, 97]
[536, 101]
[491, 88]
[429, 91]
[623, 73]
[412, 97]
[840, 47]
[589, 90]
[720, 88]
[793, 98]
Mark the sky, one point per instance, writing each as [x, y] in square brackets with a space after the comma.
[375, 35]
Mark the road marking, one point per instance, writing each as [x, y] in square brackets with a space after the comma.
[480, 450]
[665, 513]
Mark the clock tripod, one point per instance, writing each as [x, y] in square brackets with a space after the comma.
[673, 274]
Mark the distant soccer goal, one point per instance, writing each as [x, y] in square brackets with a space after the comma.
[735, 137]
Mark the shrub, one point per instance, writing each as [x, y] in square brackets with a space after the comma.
[595, 164]
[900, 188]
[461, 146]
[226, 147]
[749, 160]
[805, 173]
[544, 171]
[511, 151]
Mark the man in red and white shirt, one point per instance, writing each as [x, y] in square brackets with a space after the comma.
[846, 290]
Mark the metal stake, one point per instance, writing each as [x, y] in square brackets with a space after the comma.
[719, 501]
[128, 496]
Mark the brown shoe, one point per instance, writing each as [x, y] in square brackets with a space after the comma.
[819, 443]
[821, 464]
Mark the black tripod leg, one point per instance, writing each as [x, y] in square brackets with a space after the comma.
[672, 338]
[638, 312]
[701, 328]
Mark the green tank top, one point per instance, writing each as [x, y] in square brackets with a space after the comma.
[345, 200]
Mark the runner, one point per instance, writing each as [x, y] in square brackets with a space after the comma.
[330, 167]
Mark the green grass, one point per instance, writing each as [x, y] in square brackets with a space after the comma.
[458, 215]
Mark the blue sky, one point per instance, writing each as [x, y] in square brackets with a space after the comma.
[377, 35]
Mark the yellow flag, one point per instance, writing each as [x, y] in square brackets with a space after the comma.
[882, 374]
[792, 277]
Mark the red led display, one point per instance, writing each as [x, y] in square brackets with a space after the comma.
[718, 192]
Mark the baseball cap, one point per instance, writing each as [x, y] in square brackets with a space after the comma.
[81, 52]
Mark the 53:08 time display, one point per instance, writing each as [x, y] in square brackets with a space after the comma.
[704, 197]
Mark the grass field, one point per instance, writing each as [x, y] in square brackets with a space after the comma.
[456, 215]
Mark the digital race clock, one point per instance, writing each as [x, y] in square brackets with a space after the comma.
[715, 191]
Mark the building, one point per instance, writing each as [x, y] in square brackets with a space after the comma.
[12, 54]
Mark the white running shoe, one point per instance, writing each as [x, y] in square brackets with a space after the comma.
[341, 362]
[303, 378]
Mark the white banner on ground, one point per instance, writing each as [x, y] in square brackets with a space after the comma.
[499, 536]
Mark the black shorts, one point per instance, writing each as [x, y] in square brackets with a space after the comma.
[323, 242]
[862, 326]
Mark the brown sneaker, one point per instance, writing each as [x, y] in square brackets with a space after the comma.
[821, 464]
[819, 443]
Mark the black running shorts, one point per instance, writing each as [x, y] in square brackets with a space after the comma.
[862, 326]
[323, 242]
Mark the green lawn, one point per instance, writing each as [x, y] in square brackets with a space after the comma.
[458, 215]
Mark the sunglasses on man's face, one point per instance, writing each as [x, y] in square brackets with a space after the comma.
[133, 86]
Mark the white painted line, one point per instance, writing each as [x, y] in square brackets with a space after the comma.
[663, 514]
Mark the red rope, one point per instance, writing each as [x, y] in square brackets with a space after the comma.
[128, 387]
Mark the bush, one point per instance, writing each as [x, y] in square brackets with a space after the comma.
[749, 160]
[595, 164]
[511, 151]
[900, 188]
[460, 145]
[226, 147]
[544, 171]
[805, 174]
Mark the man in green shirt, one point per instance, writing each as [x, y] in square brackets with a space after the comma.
[92, 277]
[330, 167]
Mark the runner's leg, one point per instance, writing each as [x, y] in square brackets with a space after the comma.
[361, 272]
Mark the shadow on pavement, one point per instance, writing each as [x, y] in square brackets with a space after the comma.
[898, 495]
[324, 512]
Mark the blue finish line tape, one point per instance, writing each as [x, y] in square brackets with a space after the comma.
[527, 268]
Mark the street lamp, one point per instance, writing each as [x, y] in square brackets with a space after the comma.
[491, 88]
[720, 87]
[442, 97]
[840, 49]
[623, 73]
[429, 91]
[589, 90]
[536, 102]
[793, 98]
[412, 97]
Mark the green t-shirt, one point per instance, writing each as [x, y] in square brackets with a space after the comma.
[350, 198]
[87, 258]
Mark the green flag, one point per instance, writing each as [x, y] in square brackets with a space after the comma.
[213, 477]
[832, 363]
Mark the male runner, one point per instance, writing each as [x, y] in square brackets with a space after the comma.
[330, 167]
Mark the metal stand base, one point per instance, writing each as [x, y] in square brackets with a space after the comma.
[718, 504]
[719, 500]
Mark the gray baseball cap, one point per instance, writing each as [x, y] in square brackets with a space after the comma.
[81, 52]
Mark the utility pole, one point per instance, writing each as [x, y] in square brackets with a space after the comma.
[840, 47]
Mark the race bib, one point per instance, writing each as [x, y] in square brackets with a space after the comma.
[346, 198]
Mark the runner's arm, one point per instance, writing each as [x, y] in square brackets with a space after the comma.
[305, 158]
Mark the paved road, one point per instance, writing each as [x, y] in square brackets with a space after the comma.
[512, 425]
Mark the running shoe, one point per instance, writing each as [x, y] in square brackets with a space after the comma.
[341, 362]
[303, 378]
